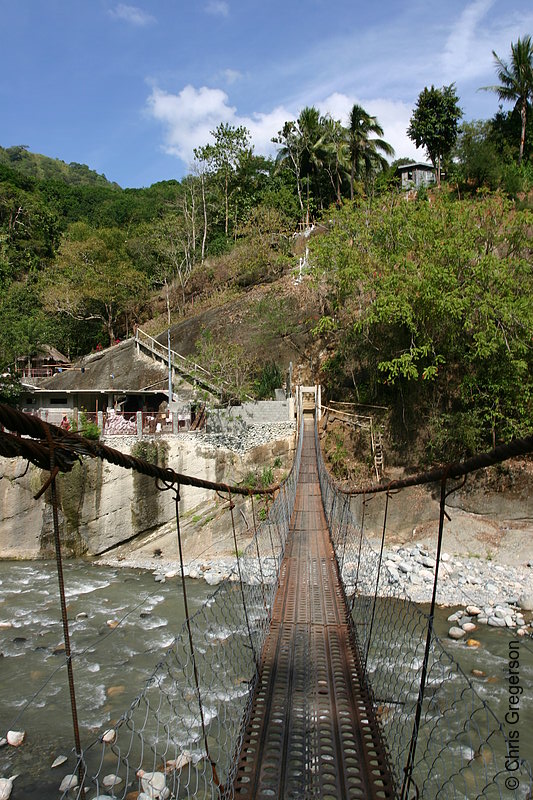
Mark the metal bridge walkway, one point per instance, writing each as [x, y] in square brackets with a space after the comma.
[312, 732]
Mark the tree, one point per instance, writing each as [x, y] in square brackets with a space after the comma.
[224, 156]
[477, 162]
[336, 160]
[428, 311]
[516, 82]
[434, 123]
[290, 154]
[93, 278]
[365, 153]
[307, 147]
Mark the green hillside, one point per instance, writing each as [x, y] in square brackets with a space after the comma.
[420, 304]
[35, 165]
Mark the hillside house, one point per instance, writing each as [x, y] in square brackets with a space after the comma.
[415, 175]
[111, 387]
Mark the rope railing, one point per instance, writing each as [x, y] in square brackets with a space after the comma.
[444, 738]
[180, 735]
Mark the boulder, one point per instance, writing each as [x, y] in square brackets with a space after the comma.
[525, 601]
[456, 633]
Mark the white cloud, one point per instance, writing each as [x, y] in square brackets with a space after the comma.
[132, 14]
[467, 51]
[188, 117]
[230, 76]
[218, 8]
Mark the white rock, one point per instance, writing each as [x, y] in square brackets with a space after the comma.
[109, 736]
[6, 787]
[456, 633]
[82, 615]
[496, 622]
[68, 782]
[5, 626]
[445, 557]
[153, 784]
[474, 611]
[212, 577]
[403, 567]
[58, 761]
[15, 738]
[468, 627]
[181, 761]
[525, 602]
[111, 780]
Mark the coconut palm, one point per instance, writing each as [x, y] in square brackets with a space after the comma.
[516, 81]
[366, 154]
[304, 148]
[337, 160]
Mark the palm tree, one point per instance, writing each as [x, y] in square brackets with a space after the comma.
[516, 81]
[314, 140]
[337, 160]
[365, 153]
[303, 150]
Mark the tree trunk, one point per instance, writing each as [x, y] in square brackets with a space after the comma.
[523, 115]
[227, 204]
[204, 237]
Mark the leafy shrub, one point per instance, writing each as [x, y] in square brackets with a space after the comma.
[270, 378]
[85, 427]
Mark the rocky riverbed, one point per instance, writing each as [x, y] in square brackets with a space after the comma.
[489, 593]
[494, 594]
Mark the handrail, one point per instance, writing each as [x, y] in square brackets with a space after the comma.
[157, 346]
[214, 383]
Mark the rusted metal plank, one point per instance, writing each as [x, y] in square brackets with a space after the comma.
[312, 731]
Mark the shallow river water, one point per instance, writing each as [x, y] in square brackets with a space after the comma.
[112, 663]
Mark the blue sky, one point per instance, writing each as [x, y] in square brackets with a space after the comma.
[131, 88]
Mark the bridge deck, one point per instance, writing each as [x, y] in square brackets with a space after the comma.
[312, 732]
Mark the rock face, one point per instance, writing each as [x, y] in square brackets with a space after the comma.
[102, 505]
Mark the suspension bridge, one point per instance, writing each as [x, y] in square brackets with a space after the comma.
[328, 682]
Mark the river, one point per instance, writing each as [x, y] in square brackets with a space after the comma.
[114, 661]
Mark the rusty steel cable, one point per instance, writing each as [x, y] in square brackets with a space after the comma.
[69, 446]
[455, 469]
[64, 616]
[216, 780]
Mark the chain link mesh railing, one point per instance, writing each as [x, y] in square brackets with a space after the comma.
[444, 740]
[181, 735]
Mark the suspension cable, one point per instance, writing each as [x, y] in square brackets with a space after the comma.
[380, 559]
[191, 641]
[70, 446]
[64, 616]
[408, 769]
[455, 469]
[237, 556]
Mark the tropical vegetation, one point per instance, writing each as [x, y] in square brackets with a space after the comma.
[422, 306]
